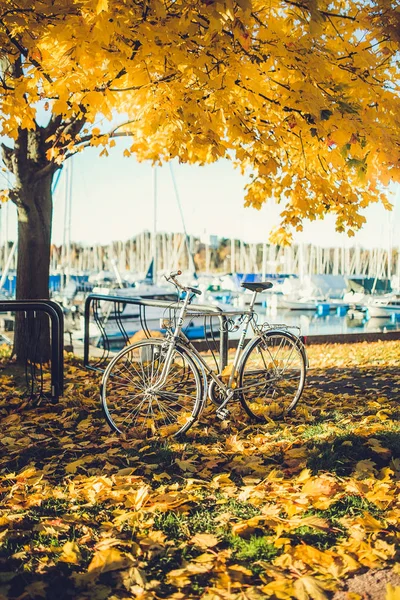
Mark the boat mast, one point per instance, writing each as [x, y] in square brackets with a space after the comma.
[389, 250]
[233, 249]
[264, 261]
[154, 233]
[8, 253]
[66, 245]
[187, 240]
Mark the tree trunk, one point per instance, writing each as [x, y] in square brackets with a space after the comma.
[32, 339]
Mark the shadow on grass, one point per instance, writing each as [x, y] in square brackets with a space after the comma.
[363, 381]
[342, 454]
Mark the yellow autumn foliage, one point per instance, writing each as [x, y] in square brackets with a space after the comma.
[305, 96]
[240, 510]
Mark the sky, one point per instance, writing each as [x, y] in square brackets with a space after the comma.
[112, 198]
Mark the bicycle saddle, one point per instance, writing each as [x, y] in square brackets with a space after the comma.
[260, 286]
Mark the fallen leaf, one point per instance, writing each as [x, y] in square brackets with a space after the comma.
[204, 540]
[107, 560]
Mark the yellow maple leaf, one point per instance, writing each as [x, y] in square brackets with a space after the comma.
[320, 486]
[305, 474]
[71, 553]
[204, 540]
[138, 498]
[369, 522]
[311, 521]
[109, 559]
[4, 195]
[392, 592]
[187, 465]
[3, 534]
[281, 588]
[102, 5]
[308, 587]
[178, 577]
[73, 466]
[377, 447]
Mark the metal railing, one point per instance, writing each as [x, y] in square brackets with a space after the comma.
[54, 311]
[94, 314]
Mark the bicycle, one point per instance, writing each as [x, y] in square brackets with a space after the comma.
[160, 385]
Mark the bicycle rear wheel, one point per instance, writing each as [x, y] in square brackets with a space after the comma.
[133, 401]
[272, 375]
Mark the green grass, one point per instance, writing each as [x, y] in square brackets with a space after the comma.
[320, 539]
[174, 525]
[316, 430]
[202, 518]
[254, 549]
[179, 526]
[50, 507]
[341, 455]
[157, 452]
[46, 540]
[351, 505]
[348, 506]
[242, 510]
[160, 565]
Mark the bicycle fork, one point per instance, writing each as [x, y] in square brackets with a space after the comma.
[172, 345]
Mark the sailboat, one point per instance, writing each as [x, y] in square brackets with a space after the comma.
[384, 301]
[384, 306]
[121, 320]
[132, 316]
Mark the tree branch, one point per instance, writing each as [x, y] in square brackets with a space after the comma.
[23, 51]
[47, 170]
[139, 87]
[52, 126]
[243, 87]
[322, 12]
[114, 134]
[7, 154]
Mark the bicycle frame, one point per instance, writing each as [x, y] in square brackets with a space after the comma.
[172, 343]
[165, 382]
[179, 336]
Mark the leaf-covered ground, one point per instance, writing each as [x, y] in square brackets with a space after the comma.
[290, 509]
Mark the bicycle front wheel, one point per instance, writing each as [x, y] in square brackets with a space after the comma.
[134, 400]
[272, 375]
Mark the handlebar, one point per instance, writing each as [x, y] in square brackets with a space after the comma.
[172, 277]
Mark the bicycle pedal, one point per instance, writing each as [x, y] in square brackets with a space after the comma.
[222, 413]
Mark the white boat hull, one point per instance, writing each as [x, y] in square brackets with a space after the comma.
[384, 306]
[298, 305]
[382, 312]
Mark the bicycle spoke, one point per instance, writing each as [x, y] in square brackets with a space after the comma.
[272, 376]
[135, 411]
[155, 386]
[135, 400]
[251, 385]
[133, 378]
[165, 396]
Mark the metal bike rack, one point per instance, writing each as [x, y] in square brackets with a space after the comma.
[193, 310]
[56, 316]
